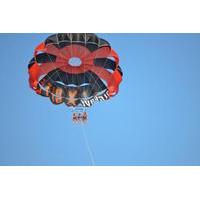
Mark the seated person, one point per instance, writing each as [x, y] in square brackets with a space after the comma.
[75, 117]
[84, 117]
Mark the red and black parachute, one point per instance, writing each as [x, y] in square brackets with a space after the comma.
[75, 68]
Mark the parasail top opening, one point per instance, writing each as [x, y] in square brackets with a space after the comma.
[75, 61]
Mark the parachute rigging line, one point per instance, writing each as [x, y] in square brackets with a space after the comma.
[91, 156]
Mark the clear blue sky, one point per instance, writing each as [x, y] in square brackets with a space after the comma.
[154, 120]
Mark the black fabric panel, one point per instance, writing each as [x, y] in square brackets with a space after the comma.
[81, 79]
[90, 37]
[92, 47]
[120, 70]
[107, 64]
[31, 62]
[58, 75]
[63, 44]
[103, 42]
[42, 58]
[51, 39]
[45, 58]
[95, 81]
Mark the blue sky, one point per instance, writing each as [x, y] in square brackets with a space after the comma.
[154, 120]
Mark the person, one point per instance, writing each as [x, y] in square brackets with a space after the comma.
[80, 117]
[75, 118]
[84, 117]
